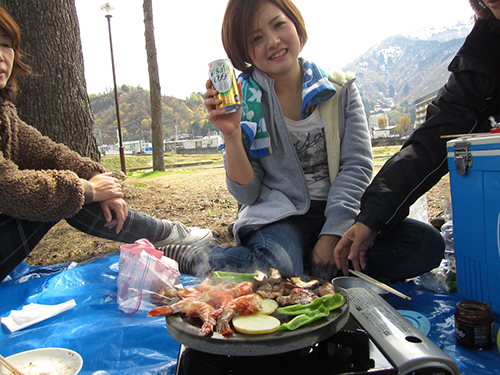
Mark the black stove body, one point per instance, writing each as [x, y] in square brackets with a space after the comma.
[349, 351]
[375, 340]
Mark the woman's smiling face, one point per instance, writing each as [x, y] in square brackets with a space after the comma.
[274, 44]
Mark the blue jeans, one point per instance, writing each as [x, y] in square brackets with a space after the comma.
[284, 245]
[410, 249]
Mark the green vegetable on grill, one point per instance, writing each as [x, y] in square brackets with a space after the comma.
[233, 277]
[306, 314]
[330, 301]
[303, 319]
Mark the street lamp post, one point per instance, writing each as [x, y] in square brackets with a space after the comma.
[107, 7]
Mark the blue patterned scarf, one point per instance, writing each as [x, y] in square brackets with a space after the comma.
[316, 88]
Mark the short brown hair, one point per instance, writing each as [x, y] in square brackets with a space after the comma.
[8, 25]
[238, 23]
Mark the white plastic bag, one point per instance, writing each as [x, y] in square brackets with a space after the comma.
[443, 279]
[418, 210]
[145, 274]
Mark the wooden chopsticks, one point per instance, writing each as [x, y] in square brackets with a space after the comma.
[9, 366]
[463, 135]
[379, 284]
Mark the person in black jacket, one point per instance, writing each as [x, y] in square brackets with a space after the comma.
[463, 105]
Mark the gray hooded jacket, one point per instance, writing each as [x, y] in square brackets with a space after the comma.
[279, 189]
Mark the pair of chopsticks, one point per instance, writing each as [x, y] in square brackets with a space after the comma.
[463, 135]
[9, 366]
[379, 284]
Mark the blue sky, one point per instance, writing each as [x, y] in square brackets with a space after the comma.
[187, 36]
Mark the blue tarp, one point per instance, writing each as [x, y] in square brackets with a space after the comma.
[113, 342]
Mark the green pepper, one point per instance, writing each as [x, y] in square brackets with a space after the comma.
[303, 319]
[233, 277]
[333, 301]
[330, 301]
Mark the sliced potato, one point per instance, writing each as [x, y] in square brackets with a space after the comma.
[268, 306]
[256, 324]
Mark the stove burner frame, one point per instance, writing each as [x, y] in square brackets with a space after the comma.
[349, 351]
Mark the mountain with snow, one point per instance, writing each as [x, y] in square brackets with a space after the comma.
[444, 33]
[403, 68]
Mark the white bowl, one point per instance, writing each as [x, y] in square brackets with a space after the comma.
[46, 361]
[346, 282]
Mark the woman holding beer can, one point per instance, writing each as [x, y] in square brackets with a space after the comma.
[297, 153]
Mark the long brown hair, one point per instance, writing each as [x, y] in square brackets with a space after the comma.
[8, 25]
[238, 23]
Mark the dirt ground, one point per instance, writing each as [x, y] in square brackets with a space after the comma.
[196, 198]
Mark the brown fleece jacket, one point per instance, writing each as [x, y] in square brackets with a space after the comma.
[40, 180]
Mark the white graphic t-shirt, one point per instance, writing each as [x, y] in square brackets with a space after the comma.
[308, 138]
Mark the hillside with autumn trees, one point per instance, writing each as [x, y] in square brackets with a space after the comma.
[189, 115]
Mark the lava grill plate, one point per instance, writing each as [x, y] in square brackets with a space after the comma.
[240, 344]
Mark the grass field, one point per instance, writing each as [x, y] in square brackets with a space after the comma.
[145, 162]
[193, 192]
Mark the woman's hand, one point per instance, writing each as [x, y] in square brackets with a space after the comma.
[238, 168]
[106, 187]
[353, 247]
[227, 123]
[322, 258]
[119, 206]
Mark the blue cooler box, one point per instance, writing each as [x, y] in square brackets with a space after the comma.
[474, 164]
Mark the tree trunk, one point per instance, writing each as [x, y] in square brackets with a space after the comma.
[56, 101]
[154, 89]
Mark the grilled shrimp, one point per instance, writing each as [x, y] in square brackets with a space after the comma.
[216, 297]
[246, 287]
[188, 292]
[192, 308]
[244, 305]
[219, 295]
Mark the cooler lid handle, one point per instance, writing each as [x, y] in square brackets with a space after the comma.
[463, 157]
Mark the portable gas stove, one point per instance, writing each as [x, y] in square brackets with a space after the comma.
[374, 339]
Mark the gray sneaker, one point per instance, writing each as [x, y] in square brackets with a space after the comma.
[183, 235]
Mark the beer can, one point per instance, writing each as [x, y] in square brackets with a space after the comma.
[221, 73]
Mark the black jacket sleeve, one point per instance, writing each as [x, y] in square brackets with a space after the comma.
[462, 106]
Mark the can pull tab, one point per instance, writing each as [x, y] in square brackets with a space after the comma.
[463, 158]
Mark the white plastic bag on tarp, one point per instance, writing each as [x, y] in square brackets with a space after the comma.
[418, 210]
[145, 276]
